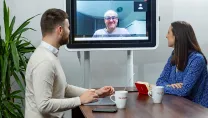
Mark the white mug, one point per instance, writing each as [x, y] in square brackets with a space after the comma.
[156, 94]
[120, 98]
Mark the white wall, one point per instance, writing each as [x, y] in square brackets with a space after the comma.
[131, 17]
[194, 12]
[109, 67]
[137, 27]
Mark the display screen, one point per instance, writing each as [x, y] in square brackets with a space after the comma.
[112, 23]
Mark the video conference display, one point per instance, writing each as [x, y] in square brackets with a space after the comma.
[112, 23]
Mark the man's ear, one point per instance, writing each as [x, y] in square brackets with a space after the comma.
[59, 30]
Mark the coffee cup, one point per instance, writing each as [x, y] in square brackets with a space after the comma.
[120, 99]
[156, 94]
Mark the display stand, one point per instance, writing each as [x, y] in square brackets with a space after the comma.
[87, 69]
[130, 68]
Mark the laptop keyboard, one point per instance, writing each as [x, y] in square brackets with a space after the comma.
[102, 101]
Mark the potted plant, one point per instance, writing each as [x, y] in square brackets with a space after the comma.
[13, 61]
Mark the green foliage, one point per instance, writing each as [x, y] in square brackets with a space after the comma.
[13, 65]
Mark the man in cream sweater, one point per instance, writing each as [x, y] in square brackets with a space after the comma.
[47, 92]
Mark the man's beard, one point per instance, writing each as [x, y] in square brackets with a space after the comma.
[64, 40]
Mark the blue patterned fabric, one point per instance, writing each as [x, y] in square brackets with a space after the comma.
[194, 79]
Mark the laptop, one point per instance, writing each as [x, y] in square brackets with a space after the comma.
[102, 102]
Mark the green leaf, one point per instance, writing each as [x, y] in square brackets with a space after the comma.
[22, 26]
[23, 77]
[20, 32]
[0, 34]
[18, 81]
[15, 55]
[27, 50]
[23, 45]
[23, 64]
[25, 29]
[4, 69]
[7, 82]
[17, 97]
[23, 60]
[19, 110]
[6, 114]
[1, 114]
[9, 108]
[6, 22]
[18, 41]
[9, 19]
[12, 25]
[26, 44]
[2, 45]
[25, 39]
[32, 17]
[15, 92]
[19, 29]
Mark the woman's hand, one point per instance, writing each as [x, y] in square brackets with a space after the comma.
[176, 85]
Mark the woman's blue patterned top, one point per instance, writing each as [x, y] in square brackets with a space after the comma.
[194, 79]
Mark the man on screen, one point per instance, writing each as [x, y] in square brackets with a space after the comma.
[111, 21]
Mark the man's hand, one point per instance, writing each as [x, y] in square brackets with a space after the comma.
[105, 91]
[88, 96]
[176, 85]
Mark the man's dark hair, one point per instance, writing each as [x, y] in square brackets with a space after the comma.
[52, 18]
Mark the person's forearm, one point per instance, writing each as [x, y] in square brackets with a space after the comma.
[176, 91]
[57, 105]
[74, 91]
[161, 82]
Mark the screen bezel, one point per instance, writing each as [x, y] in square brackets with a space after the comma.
[114, 45]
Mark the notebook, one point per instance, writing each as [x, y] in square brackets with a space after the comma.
[142, 87]
[102, 102]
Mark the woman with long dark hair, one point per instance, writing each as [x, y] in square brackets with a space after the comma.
[185, 73]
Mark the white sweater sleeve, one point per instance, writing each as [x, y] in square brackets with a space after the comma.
[43, 78]
[73, 91]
